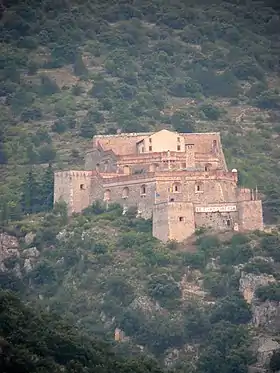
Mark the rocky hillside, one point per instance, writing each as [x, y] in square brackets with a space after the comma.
[210, 303]
[71, 69]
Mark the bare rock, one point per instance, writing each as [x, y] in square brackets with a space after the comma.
[9, 246]
[29, 238]
[265, 346]
[31, 253]
[249, 282]
[27, 265]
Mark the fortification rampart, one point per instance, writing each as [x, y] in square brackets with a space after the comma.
[184, 189]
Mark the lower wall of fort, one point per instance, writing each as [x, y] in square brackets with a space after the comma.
[140, 193]
[250, 215]
[217, 220]
[173, 221]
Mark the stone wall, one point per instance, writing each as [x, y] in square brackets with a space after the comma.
[121, 144]
[73, 187]
[217, 220]
[201, 188]
[250, 215]
[173, 221]
[138, 192]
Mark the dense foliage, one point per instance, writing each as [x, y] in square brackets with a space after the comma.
[40, 342]
[72, 69]
[103, 270]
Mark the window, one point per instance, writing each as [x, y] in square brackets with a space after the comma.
[178, 139]
[150, 140]
[228, 223]
[125, 192]
[171, 199]
[82, 187]
[208, 167]
[178, 147]
[184, 165]
[150, 148]
[181, 218]
[142, 149]
[107, 195]
[198, 187]
[143, 190]
[176, 188]
[126, 170]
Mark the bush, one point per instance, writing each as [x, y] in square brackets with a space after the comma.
[258, 267]
[269, 292]
[210, 111]
[165, 290]
[31, 114]
[48, 86]
[47, 153]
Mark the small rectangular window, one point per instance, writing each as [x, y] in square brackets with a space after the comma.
[178, 139]
[82, 186]
[150, 140]
[150, 148]
[181, 218]
[178, 147]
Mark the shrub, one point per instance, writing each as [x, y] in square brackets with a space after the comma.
[47, 153]
[269, 292]
[210, 111]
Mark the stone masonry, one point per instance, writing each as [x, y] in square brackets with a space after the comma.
[181, 180]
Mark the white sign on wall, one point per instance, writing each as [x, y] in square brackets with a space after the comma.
[216, 209]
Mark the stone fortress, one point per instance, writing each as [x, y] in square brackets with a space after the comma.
[181, 180]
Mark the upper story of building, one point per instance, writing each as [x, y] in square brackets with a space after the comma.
[130, 153]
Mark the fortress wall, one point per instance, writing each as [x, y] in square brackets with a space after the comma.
[62, 187]
[120, 144]
[160, 222]
[74, 188]
[202, 141]
[181, 220]
[210, 190]
[103, 161]
[173, 221]
[217, 220]
[131, 194]
[250, 215]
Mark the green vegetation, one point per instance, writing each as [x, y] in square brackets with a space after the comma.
[69, 72]
[44, 342]
[103, 270]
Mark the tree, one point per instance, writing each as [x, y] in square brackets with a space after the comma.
[79, 66]
[3, 155]
[30, 193]
[47, 189]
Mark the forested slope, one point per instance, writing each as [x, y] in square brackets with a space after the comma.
[38, 342]
[186, 305]
[71, 69]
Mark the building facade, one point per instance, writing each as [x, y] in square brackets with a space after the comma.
[181, 180]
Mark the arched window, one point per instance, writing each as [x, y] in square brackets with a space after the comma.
[176, 188]
[143, 190]
[97, 166]
[126, 170]
[208, 166]
[198, 187]
[107, 195]
[125, 192]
